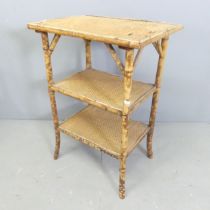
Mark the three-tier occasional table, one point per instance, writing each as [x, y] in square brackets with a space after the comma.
[104, 123]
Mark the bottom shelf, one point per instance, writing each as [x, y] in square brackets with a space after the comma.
[102, 130]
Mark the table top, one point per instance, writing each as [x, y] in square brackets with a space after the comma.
[129, 33]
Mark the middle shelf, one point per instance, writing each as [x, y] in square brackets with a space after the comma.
[102, 89]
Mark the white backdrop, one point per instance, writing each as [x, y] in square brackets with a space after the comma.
[185, 92]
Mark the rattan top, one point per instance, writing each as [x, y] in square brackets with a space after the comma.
[123, 32]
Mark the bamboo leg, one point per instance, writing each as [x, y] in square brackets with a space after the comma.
[127, 90]
[156, 94]
[47, 58]
[56, 123]
[123, 156]
[88, 54]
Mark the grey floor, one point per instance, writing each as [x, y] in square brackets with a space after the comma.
[178, 178]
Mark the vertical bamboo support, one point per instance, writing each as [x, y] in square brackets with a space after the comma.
[88, 53]
[47, 58]
[123, 156]
[127, 90]
[160, 67]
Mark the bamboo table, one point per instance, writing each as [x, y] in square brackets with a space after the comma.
[104, 124]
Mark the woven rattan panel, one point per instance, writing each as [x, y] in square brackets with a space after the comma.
[125, 32]
[102, 89]
[102, 130]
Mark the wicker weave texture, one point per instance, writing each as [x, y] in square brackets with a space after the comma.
[123, 32]
[102, 89]
[102, 130]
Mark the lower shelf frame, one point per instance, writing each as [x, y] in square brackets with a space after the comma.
[101, 130]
